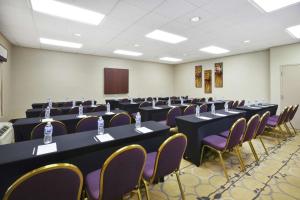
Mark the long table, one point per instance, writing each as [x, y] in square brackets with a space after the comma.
[260, 109]
[196, 129]
[79, 149]
[24, 126]
[219, 105]
[58, 104]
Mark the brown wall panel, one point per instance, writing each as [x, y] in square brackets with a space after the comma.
[115, 81]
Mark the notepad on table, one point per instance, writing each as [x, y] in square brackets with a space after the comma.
[157, 107]
[233, 112]
[221, 115]
[82, 116]
[109, 113]
[48, 120]
[205, 118]
[104, 137]
[47, 148]
[144, 130]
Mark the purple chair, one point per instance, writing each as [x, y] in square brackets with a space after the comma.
[119, 120]
[230, 103]
[87, 103]
[59, 128]
[221, 144]
[202, 100]
[125, 100]
[242, 103]
[194, 101]
[165, 161]
[68, 104]
[143, 104]
[56, 181]
[292, 117]
[87, 124]
[171, 116]
[120, 174]
[190, 110]
[234, 105]
[159, 103]
[75, 110]
[287, 119]
[275, 123]
[261, 128]
[210, 99]
[149, 99]
[203, 108]
[100, 108]
[53, 112]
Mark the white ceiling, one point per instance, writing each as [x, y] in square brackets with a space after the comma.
[224, 23]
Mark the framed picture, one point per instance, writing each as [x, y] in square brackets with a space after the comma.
[218, 75]
[207, 81]
[198, 76]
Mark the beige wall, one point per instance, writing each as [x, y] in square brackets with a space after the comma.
[5, 69]
[39, 74]
[280, 56]
[246, 76]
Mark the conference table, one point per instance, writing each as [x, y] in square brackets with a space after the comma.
[58, 104]
[130, 107]
[219, 105]
[36, 112]
[81, 149]
[24, 126]
[258, 109]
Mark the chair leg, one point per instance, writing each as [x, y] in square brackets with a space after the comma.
[282, 132]
[202, 152]
[180, 186]
[147, 189]
[223, 165]
[237, 151]
[263, 145]
[287, 129]
[293, 127]
[139, 194]
[253, 151]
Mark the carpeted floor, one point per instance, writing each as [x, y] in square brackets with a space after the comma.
[276, 177]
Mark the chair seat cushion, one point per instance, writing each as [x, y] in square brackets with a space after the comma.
[93, 184]
[163, 122]
[274, 118]
[224, 134]
[215, 141]
[271, 123]
[149, 166]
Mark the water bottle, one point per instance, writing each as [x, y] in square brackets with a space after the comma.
[213, 109]
[50, 103]
[153, 103]
[100, 126]
[181, 101]
[138, 120]
[47, 113]
[48, 133]
[226, 106]
[108, 107]
[73, 103]
[131, 100]
[169, 102]
[80, 110]
[198, 111]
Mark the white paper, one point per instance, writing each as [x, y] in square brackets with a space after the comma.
[133, 103]
[144, 130]
[82, 116]
[255, 107]
[205, 118]
[221, 115]
[184, 104]
[104, 137]
[109, 113]
[157, 107]
[233, 112]
[47, 148]
[48, 120]
[173, 106]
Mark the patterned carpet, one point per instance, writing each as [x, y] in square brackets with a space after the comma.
[277, 176]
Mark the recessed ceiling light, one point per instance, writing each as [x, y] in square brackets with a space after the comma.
[214, 50]
[77, 34]
[60, 43]
[136, 45]
[294, 31]
[67, 11]
[195, 19]
[165, 37]
[170, 59]
[272, 5]
[127, 53]
[247, 41]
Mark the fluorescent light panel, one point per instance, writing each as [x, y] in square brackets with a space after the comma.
[170, 59]
[294, 31]
[67, 11]
[214, 50]
[60, 43]
[165, 37]
[272, 5]
[127, 53]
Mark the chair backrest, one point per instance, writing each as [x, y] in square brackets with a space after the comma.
[159, 103]
[149, 99]
[202, 100]
[252, 126]
[262, 123]
[194, 101]
[294, 112]
[100, 108]
[120, 119]
[56, 181]
[172, 114]
[235, 133]
[289, 113]
[122, 172]
[283, 116]
[53, 112]
[145, 104]
[75, 110]
[230, 104]
[191, 109]
[242, 103]
[210, 99]
[235, 104]
[87, 103]
[203, 108]
[68, 104]
[169, 156]
[59, 128]
[87, 124]
[124, 100]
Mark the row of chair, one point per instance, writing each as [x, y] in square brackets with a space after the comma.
[65, 181]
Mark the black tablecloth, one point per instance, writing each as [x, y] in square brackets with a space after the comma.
[196, 129]
[219, 105]
[129, 107]
[150, 113]
[259, 110]
[79, 149]
[36, 112]
[58, 104]
[24, 126]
